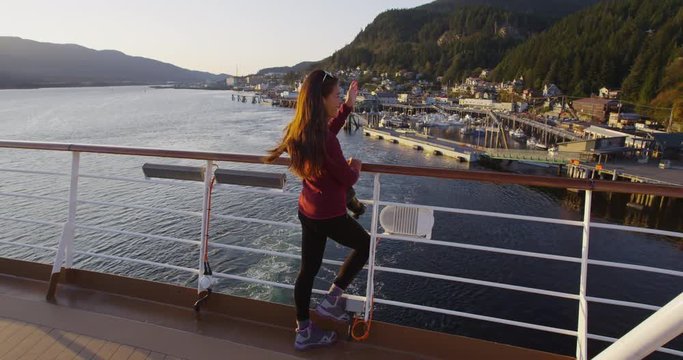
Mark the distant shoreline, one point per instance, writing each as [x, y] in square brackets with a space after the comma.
[188, 87]
[98, 85]
[70, 85]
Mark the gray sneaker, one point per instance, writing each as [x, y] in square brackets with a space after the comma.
[334, 308]
[313, 337]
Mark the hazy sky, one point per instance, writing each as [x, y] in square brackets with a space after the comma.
[208, 35]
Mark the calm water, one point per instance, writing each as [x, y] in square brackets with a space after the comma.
[206, 120]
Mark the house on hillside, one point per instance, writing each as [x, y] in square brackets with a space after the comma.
[551, 90]
[387, 97]
[606, 93]
[595, 109]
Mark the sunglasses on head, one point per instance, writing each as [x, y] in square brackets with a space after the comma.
[326, 75]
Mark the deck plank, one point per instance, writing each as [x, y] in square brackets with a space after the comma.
[91, 348]
[107, 350]
[45, 342]
[25, 345]
[139, 354]
[14, 339]
[25, 341]
[61, 342]
[4, 323]
[156, 356]
[123, 352]
[7, 330]
[74, 348]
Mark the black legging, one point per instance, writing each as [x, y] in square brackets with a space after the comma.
[342, 229]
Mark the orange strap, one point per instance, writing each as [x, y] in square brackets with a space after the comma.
[366, 324]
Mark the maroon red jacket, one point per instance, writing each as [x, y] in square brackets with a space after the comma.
[325, 197]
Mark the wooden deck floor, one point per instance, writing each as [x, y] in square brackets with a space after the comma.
[25, 341]
[31, 328]
[84, 323]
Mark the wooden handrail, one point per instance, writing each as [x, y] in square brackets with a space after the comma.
[470, 175]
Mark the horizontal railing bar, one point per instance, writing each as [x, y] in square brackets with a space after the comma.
[623, 303]
[132, 233]
[144, 262]
[529, 180]
[487, 213]
[275, 192]
[33, 172]
[141, 207]
[11, 243]
[192, 242]
[188, 184]
[257, 221]
[269, 252]
[38, 197]
[601, 338]
[30, 221]
[637, 229]
[478, 282]
[484, 176]
[192, 213]
[450, 278]
[635, 267]
[262, 282]
[192, 184]
[252, 280]
[479, 248]
[530, 254]
[477, 317]
[612, 340]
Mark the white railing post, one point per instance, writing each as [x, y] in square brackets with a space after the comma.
[73, 206]
[582, 331]
[65, 249]
[208, 178]
[657, 330]
[369, 291]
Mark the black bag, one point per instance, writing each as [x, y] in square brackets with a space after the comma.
[352, 203]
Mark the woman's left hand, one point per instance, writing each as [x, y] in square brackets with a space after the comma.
[351, 94]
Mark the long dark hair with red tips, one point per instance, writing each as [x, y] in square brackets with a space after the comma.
[304, 137]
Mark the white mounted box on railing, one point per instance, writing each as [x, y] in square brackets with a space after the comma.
[404, 220]
[193, 173]
[250, 178]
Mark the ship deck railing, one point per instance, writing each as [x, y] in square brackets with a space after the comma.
[66, 251]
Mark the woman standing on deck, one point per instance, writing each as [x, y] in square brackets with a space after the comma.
[310, 139]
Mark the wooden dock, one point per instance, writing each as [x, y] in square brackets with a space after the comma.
[420, 142]
[645, 173]
[468, 152]
[540, 156]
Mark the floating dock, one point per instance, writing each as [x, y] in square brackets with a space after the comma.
[426, 143]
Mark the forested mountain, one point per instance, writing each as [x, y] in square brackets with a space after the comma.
[547, 8]
[617, 43]
[581, 46]
[300, 67]
[450, 37]
[670, 94]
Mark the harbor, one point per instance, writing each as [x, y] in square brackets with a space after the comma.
[496, 142]
[569, 154]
